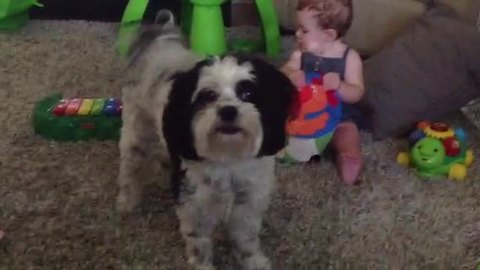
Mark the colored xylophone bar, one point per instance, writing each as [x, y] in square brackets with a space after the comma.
[88, 107]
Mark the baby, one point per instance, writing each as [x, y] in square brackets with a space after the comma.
[321, 25]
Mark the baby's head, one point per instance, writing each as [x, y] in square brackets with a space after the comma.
[321, 22]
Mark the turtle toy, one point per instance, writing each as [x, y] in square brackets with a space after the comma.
[436, 149]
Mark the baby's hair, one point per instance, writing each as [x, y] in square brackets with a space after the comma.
[331, 14]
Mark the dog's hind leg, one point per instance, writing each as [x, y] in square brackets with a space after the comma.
[136, 138]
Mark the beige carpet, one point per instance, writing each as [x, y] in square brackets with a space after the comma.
[56, 199]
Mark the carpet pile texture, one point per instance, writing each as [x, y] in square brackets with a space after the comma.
[57, 199]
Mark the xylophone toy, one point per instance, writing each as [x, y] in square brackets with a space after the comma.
[78, 119]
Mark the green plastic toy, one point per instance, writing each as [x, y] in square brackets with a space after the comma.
[437, 150]
[78, 119]
[130, 23]
[207, 33]
[202, 23]
[14, 13]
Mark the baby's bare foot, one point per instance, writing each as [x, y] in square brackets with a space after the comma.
[349, 168]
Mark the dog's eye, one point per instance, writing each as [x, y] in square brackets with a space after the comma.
[245, 90]
[245, 94]
[207, 96]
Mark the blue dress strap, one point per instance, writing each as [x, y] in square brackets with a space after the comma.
[345, 54]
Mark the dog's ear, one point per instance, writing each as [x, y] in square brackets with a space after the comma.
[276, 102]
[178, 114]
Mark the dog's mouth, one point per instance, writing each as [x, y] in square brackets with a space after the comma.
[228, 129]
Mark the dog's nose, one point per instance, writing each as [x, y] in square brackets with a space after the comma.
[228, 113]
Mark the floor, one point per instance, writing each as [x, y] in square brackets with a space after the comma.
[57, 199]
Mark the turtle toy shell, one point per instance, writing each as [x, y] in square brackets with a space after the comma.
[437, 149]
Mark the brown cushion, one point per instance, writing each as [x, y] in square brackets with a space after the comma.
[427, 73]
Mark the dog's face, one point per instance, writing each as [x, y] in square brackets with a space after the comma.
[228, 109]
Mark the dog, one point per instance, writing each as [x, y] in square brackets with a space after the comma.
[220, 121]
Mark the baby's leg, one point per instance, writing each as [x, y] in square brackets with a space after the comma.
[346, 143]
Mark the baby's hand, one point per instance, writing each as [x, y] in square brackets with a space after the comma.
[331, 81]
[298, 78]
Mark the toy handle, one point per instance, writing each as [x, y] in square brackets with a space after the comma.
[312, 77]
[306, 92]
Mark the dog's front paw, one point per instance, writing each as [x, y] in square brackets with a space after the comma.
[193, 262]
[204, 267]
[256, 262]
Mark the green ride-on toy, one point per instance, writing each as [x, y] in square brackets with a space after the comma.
[202, 23]
[437, 150]
[14, 13]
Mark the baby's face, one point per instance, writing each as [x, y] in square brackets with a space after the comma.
[310, 36]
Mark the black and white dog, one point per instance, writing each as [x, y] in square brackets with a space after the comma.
[220, 122]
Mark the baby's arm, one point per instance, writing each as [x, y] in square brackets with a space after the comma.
[352, 88]
[292, 69]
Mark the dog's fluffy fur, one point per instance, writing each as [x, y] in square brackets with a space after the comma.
[220, 122]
